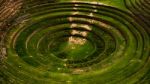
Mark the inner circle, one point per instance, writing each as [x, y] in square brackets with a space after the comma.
[72, 48]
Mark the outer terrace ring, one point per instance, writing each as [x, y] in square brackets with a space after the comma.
[128, 44]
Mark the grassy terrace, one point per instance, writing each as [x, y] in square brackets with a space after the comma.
[77, 42]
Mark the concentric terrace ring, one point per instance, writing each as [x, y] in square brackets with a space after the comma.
[76, 42]
[141, 9]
